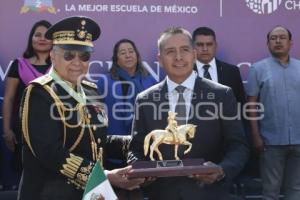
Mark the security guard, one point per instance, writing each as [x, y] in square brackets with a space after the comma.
[64, 123]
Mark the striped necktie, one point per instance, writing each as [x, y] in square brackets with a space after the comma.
[180, 108]
[206, 73]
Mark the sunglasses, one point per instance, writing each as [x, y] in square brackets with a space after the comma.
[70, 55]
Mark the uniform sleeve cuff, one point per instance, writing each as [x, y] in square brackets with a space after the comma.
[77, 170]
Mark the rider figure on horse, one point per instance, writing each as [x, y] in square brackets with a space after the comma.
[172, 125]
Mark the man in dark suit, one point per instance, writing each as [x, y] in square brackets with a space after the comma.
[205, 43]
[219, 137]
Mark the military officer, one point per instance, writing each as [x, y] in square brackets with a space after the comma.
[63, 121]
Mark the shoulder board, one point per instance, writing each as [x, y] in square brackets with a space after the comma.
[43, 79]
[88, 83]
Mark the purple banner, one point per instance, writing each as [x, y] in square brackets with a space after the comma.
[241, 26]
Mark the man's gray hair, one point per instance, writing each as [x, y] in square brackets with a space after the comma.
[170, 32]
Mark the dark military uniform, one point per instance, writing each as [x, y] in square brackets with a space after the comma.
[61, 139]
[64, 126]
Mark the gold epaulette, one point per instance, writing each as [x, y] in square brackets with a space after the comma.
[88, 83]
[43, 79]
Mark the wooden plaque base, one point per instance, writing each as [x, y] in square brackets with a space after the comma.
[168, 168]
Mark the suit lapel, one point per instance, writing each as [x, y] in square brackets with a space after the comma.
[163, 102]
[196, 98]
[219, 71]
[195, 68]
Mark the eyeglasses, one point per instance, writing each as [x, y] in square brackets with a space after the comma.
[84, 56]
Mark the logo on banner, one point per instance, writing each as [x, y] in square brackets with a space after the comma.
[38, 6]
[263, 6]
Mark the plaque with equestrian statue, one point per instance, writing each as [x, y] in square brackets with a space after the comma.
[173, 135]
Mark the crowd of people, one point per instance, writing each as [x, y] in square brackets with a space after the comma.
[58, 125]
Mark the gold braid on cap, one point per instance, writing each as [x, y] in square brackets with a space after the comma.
[69, 37]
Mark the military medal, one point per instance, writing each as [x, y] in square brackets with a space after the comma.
[102, 118]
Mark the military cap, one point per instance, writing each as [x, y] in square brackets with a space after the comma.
[74, 33]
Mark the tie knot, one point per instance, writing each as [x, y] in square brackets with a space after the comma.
[205, 67]
[180, 89]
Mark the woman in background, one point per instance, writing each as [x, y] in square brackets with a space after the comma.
[34, 63]
[118, 88]
[126, 78]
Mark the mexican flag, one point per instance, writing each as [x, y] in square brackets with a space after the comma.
[98, 186]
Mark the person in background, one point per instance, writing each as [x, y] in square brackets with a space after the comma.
[273, 90]
[34, 63]
[126, 78]
[64, 123]
[208, 66]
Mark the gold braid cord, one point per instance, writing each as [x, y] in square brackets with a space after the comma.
[76, 174]
[83, 122]
[25, 118]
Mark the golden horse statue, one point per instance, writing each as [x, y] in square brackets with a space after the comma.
[160, 136]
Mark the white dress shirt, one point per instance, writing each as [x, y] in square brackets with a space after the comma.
[187, 95]
[212, 69]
